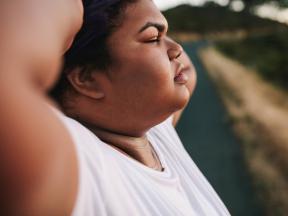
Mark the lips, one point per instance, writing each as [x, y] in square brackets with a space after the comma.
[180, 76]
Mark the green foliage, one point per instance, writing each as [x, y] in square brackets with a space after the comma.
[213, 18]
[268, 55]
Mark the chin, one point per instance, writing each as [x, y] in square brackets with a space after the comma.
[182, 98]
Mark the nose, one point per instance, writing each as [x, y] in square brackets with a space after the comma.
[174, 49]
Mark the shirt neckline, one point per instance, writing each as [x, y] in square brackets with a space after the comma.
[139, 165]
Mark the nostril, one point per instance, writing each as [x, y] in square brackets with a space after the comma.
[178, 55]
[180, 50]
[174, 53]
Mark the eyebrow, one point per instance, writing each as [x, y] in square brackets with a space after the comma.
[158, 26]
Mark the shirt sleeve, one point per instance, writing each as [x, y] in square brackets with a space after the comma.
[89, 201]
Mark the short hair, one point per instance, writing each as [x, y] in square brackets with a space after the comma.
[89, 50]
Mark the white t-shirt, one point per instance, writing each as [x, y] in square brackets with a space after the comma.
[110, 183]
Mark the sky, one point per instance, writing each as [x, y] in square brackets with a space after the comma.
[268, 11]
[272, 12]
[164, 4]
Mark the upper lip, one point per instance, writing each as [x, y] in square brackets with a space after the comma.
[180, 68]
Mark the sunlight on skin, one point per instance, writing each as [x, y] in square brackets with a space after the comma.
[190, 71]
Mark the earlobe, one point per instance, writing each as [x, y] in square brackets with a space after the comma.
[86, 85]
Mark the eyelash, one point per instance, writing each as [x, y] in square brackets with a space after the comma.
[157, 40]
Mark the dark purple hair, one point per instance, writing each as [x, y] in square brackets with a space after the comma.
[89, 50]
[95, 24]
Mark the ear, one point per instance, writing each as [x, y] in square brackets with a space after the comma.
[87, 85]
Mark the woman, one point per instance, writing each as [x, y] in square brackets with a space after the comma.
[36, 152]
[125, 83]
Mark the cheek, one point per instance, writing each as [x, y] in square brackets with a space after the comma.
[143, 84]
[153, 75]
[144, 65]
[145, 72]
[154, 64]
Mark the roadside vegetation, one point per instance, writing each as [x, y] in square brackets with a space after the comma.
[259, 116]
[266, 54]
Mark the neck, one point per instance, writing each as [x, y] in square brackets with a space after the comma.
[137, 148]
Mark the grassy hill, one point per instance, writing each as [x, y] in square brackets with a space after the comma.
[213, 18]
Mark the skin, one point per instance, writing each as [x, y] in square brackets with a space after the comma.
[189, 70]
[138, 90]
[39, 159]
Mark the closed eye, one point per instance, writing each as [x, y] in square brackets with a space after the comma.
[154, 40]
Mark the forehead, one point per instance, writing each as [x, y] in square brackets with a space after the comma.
[139, 13]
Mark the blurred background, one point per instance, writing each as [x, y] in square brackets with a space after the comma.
[236, 124]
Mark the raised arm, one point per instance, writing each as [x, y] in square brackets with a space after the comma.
[38, 169]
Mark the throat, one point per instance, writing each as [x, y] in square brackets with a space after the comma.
[137, 148]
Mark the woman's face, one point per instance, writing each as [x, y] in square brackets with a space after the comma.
[146, 80]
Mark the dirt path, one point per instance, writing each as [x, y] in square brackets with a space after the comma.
[259, 113]
[206, 133]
